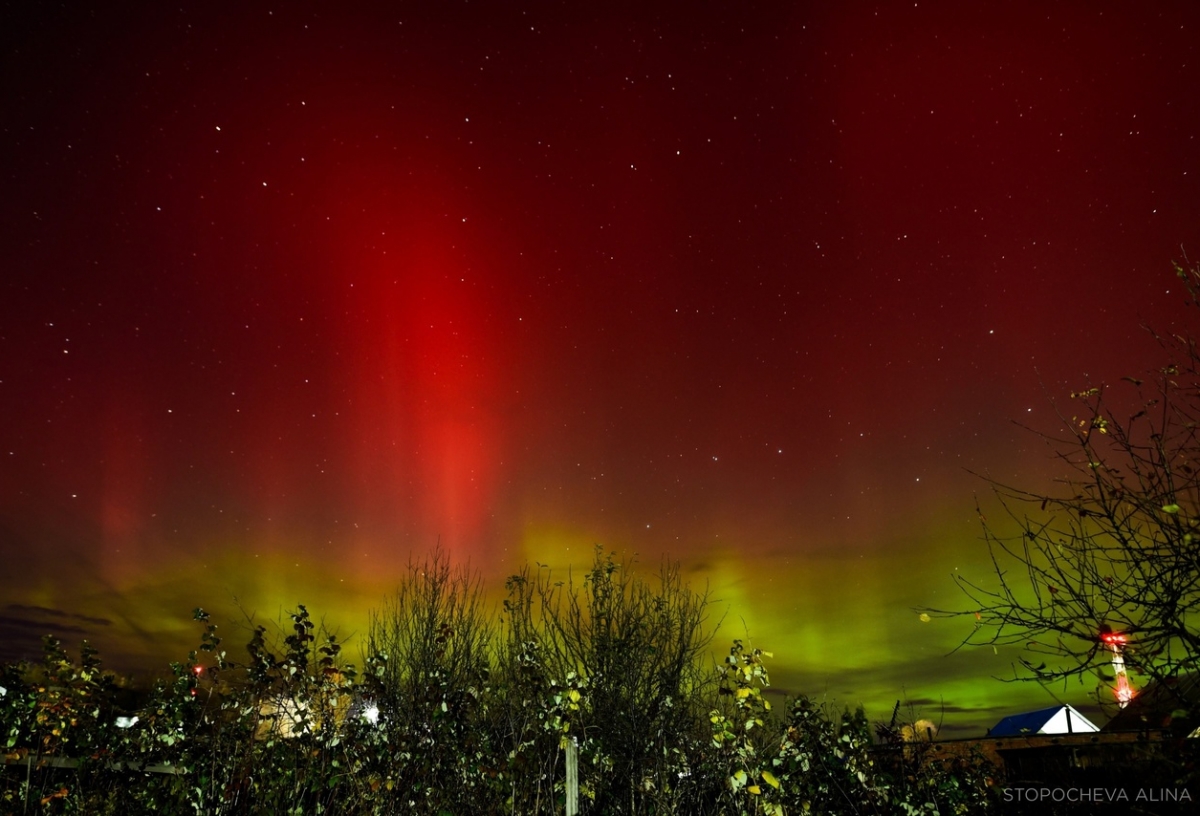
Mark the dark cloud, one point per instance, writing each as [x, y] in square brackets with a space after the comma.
[22, 627]
[25, 624]
[929, 703]
[57, 613]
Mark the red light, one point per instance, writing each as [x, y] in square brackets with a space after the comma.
[197, 670]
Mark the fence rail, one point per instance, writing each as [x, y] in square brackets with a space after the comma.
[30, 762]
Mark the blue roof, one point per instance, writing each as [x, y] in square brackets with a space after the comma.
[1030, 722]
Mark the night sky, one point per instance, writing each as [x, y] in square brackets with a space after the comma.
[289, 294]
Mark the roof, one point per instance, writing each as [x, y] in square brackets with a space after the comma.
[1160, 705]
[1059, 719]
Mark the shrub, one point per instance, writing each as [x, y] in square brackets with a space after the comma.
[452, 714]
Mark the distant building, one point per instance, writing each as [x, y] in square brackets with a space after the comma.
[1061, 719]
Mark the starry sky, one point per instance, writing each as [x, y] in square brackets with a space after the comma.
[293, 292]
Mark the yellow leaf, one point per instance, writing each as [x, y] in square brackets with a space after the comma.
[770, 779]
[743, 692]
[755, 789]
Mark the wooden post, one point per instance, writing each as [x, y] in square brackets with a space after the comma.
[572, 777]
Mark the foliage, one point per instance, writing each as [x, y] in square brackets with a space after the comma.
[452, 714]
[829, 769]
[1114, 553]
[742, 759]
[628, 655]
[922, 779]
[430, 650]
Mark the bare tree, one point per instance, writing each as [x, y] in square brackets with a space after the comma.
[632, 655]
[429, 655]
[1110, 561]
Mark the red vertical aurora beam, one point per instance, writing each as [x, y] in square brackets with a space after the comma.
[426, 374]
[122, 499]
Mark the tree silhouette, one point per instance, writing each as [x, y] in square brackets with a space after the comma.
[1109, 561]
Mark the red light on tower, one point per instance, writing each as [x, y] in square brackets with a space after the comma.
[1116, 643]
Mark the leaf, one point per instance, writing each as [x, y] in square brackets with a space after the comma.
[1171, 508]
[61, 793]
[924, 617]
[770, 779]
